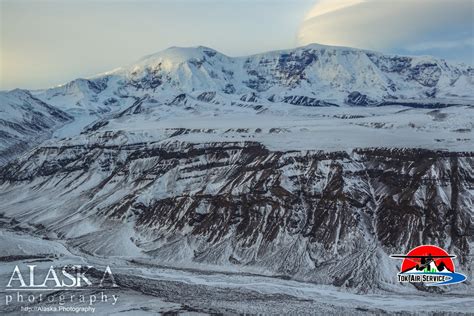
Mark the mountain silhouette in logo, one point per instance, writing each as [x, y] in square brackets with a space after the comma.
[428, 264]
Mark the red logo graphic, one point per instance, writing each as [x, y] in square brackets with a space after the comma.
[427, 257]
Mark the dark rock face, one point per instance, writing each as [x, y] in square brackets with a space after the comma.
[359, 99]
[426, 74]
[291, 67]
[305, 101]
[252, 97]
[324, 217]
[151, 79]
[97, 85]
[207, 96]
[179, 100]
[229, 89]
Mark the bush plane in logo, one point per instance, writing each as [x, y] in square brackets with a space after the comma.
[430, 265]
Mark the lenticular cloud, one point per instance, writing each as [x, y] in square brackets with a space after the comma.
[396, 26]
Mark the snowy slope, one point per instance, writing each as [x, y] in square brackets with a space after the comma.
[24, 121]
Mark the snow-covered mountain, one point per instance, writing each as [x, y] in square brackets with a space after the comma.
[313, 75]
[24, 121]
[205, 81]
[314, 164]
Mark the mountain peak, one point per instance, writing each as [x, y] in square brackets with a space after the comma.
[179, 54]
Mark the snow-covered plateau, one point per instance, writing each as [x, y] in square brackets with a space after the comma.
[274, 183]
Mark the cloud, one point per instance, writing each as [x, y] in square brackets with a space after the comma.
[399, 26]
[325, 6]
[467, 42]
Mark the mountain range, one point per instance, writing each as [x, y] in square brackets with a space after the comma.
[313, 164]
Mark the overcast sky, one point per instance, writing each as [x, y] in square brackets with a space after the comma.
[46, 43]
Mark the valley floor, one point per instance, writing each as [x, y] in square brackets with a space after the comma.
[148, 289]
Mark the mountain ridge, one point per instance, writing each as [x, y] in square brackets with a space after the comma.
[326, 73]
[276, 51]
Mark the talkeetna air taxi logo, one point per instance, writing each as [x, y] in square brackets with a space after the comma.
[430, 265]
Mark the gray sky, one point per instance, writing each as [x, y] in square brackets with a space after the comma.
[49, 42]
